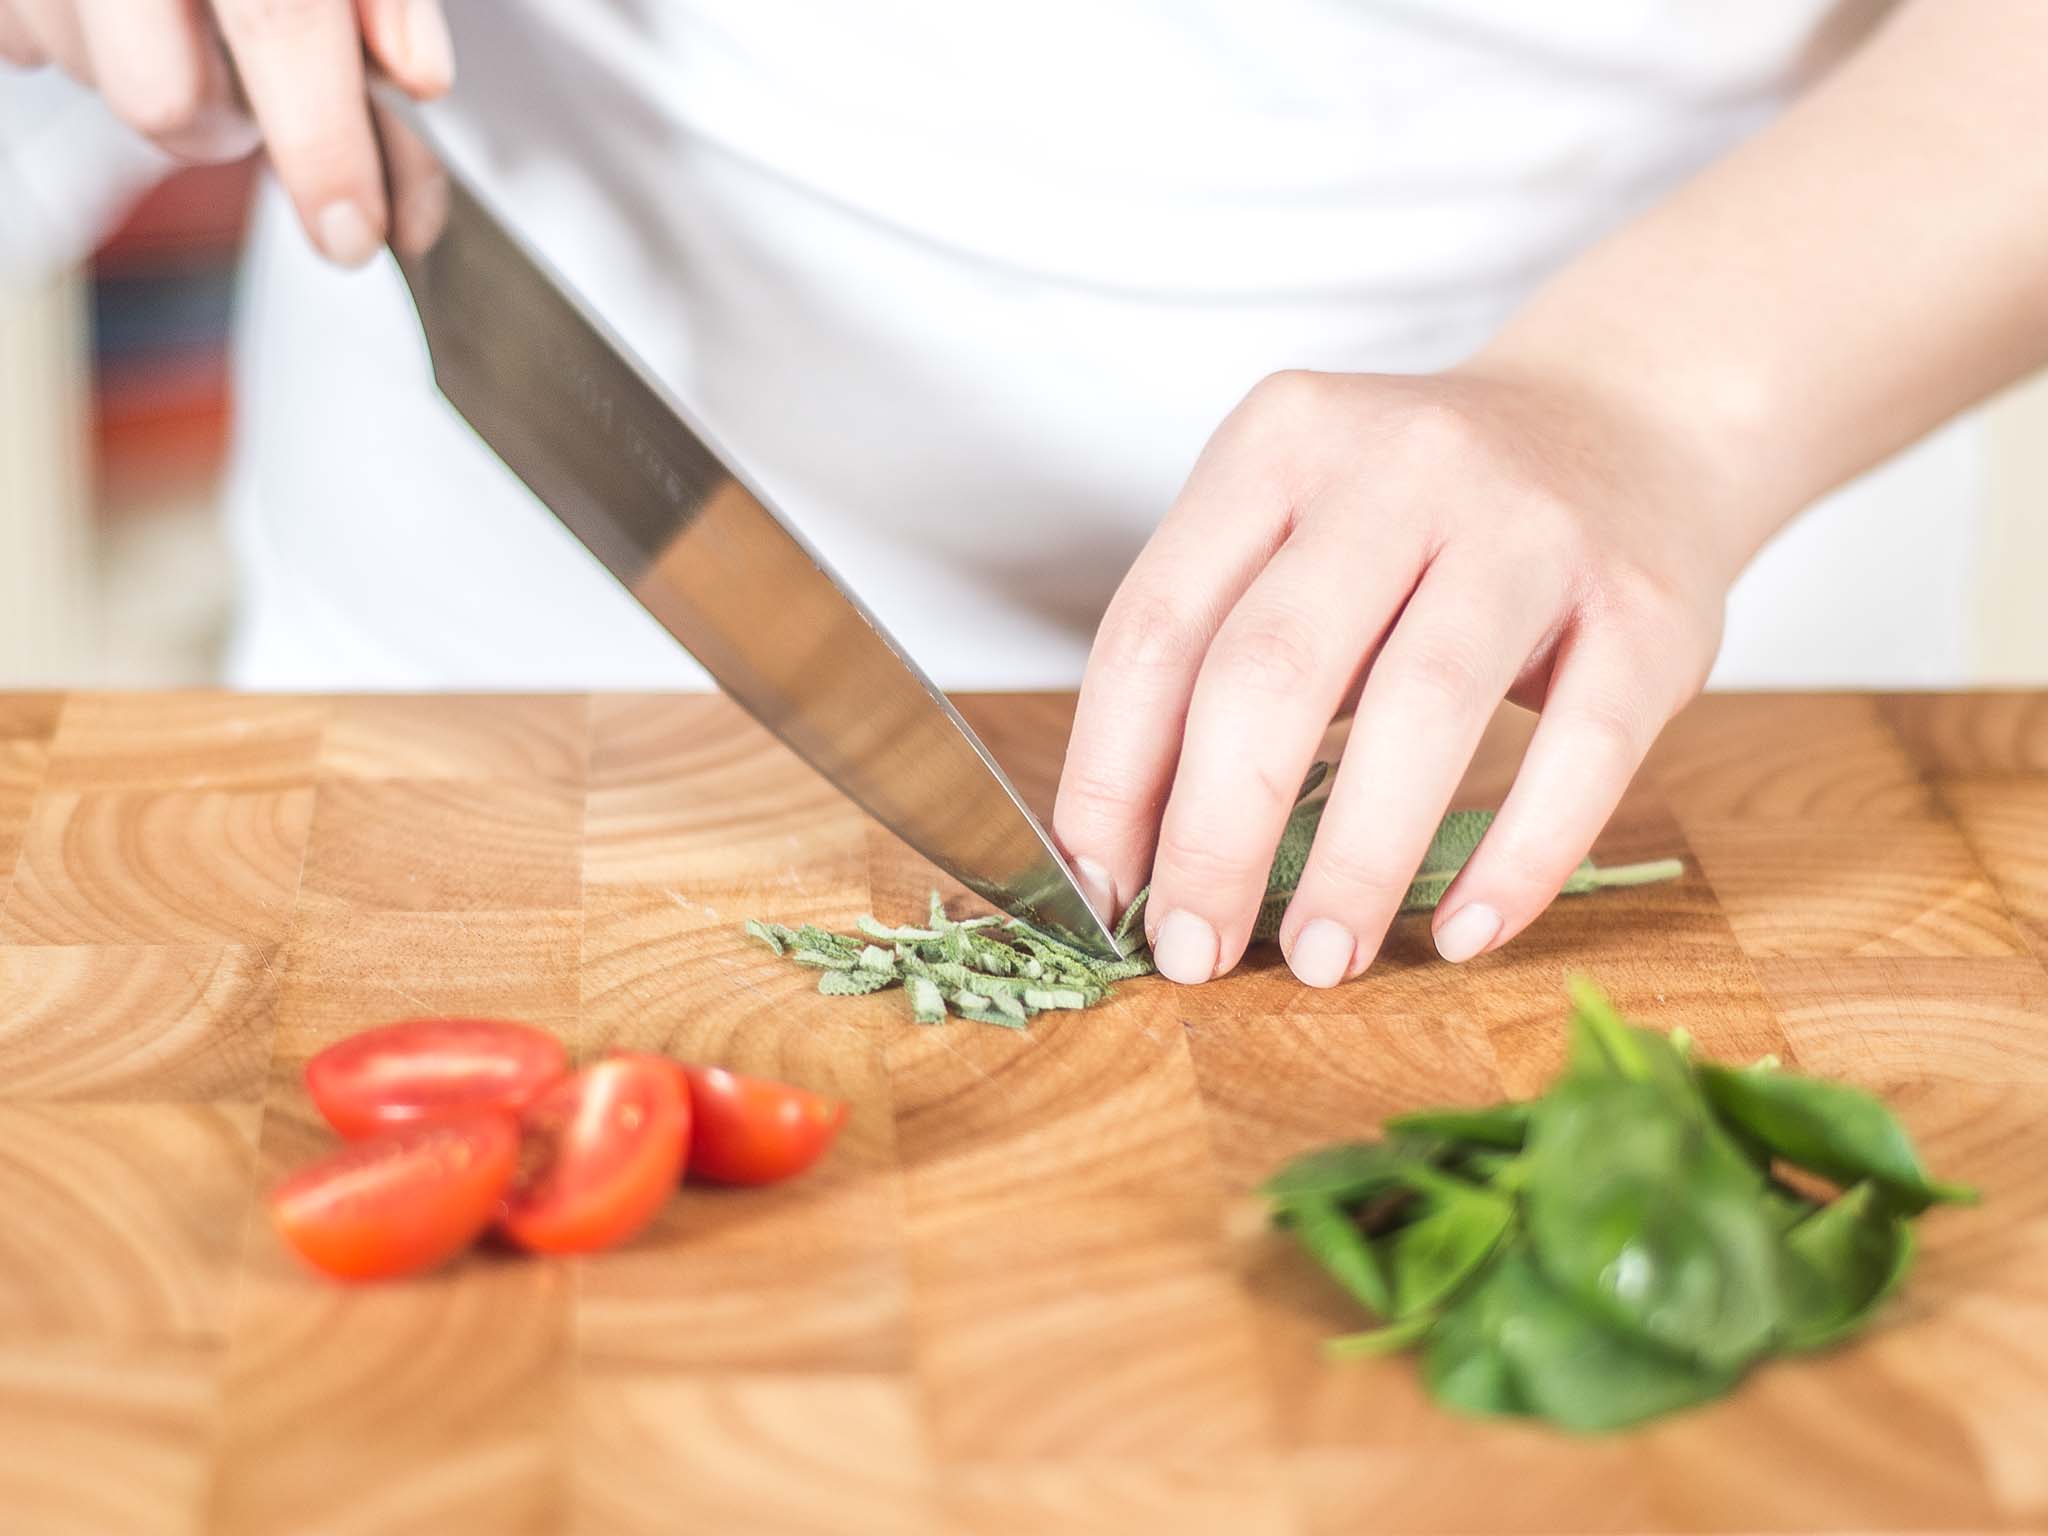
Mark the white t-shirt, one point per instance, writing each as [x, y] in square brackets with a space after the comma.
[967, 286]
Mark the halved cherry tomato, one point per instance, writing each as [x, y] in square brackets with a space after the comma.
[402, 1202]
[602, 1152]
[751, 1130]
[424, 1069]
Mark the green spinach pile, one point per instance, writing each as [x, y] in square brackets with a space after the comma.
[1626, 1245]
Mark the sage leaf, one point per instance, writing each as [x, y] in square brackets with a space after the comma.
[991, 1014]
[1131, 924]
[1591, 877]
[1290, 855]
[1056, 997]
[1456, 839]
[823, 959]
[1831, 1130]
[1112, 971]
[927, 1002]
[962, 956]
[852, 983]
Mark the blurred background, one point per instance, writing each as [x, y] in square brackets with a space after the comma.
[116, 571]
[115, 414]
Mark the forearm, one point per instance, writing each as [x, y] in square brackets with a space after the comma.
[1872, 263]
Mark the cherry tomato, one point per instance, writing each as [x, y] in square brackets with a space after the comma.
[603, 1150]
[750, 1130]
[424, 1069]
[401, 1202]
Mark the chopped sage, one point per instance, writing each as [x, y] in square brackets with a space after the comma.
[1616, 1249]
[978, 967]
[989, 969]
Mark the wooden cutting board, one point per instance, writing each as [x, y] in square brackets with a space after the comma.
[1030, 1291]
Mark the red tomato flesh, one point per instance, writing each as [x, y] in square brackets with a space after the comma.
[751, 1130]
[602, 1152]
[426, 1069]
[402, 1202]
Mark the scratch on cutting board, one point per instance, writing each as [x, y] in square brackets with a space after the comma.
[413, 999]
[677, 898]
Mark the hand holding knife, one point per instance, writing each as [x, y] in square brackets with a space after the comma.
[625, 468]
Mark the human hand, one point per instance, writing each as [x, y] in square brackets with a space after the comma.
[1424, 546]
[208, 80]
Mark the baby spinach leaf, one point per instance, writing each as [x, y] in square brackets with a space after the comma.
[1623, 1246]
[1380, 1341]
[1840, 1263]
[1487, 1165]
[1346, 1173]
[1786, 1207]
[1604, 1045]
[1578, 1371]
[1496, 1125]
[1431, 1257]
[1462, 1362]
[1334, 1241]
[1649, 1219]
[1829, 1129]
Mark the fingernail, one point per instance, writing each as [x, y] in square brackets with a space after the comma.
[427, 42]
[344, 234]
[1322, 952]
[221, 133]
[1467, 931]
[1097, 887]
[1185, 948]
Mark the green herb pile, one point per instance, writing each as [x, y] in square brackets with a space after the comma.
[1626, 1245]
[997, 970]
[1004, 971]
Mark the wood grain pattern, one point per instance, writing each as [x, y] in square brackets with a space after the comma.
[158, 866]
[124, 1221]
[1032, 1289]
[102, 1437]
[22, 764]
[183, 1022]
[2005, 822]
[708, 1454]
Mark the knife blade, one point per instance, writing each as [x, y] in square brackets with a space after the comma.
[570, 411]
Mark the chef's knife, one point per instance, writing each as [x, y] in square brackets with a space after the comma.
[570, 411]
